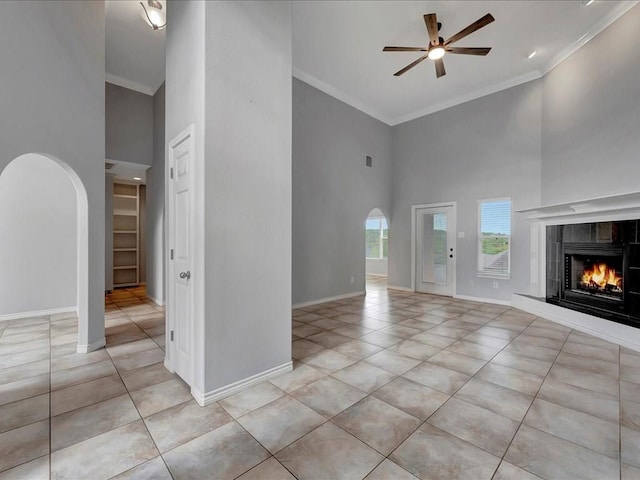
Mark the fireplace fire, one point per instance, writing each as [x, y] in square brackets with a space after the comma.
[600, 278]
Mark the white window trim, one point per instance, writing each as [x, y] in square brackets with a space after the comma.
[480, 273]
[381, 238]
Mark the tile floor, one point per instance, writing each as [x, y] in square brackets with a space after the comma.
[393, 385]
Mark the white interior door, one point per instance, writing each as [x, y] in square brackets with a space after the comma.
[435, 262]
[179, 278]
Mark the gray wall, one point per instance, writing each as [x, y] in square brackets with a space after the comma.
[486, 148]
[52, 101]
[248, 189]
[142, 234]
[129, 125]
[591, 115]
[38, 256]
[333, 192]
[155, 204]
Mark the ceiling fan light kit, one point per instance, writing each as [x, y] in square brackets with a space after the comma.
[154, 14]
[437, 46]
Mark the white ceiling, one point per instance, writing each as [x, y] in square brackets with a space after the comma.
[135, 52]
[337, 47]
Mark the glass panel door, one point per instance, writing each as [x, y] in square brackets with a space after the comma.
[434, 247]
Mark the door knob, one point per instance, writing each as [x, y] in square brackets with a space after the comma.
[186, 274]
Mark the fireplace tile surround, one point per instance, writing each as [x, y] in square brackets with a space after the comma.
[574, 246]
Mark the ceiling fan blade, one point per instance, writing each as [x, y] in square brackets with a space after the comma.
[440, 71]
[410, 66]
[477, 25]
[431, 22]
[469, 50]
[405, 49]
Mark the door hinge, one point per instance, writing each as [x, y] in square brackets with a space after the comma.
[172, 335]
[171, 172]
[172, 254]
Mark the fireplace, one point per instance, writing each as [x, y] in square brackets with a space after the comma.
[595, 268]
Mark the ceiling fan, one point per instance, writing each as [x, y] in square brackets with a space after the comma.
[437, 46]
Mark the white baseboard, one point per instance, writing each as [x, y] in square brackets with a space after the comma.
[396, 287]
[155, 300]
[598, 327]
[208, 398]
[328, 299]
[36, 313]
[495, 301]
[384, 275]
[92, 346]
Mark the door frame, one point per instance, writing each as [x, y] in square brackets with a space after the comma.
[197, 258]
[414, 246]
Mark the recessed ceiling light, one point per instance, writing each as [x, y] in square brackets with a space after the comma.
[532, 54]
[137, 178]
[586, 3]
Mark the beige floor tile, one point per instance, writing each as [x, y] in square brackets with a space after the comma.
[551, 457]
[630, 448]
[329, 361]
[412, 398]
[507, 471]
[364, 376]
[591, 351]
[24, 412]
[158, 397]
[37, 469]
[500, 400]
[378, 424]
[532, 351]
[139, 359]
[24, 444]
[180, 424]
[519, 362]
[329, 453]
[434, 376]
[81, 374]
[199, 458]
[251, 398]
[280, 423]
[304, 348]
[580, 377]
[78, 359]
[328, 339]
[21, 389]
[434, 340]
[328, 396]
[81, 424]
[78, 396]
[270, 469]
[357, 349]
[23, 357]
[392, 361]
[21, 372]
[476, 425]
[105, 455]
[301, 375]
[152, 470]
[587, 401]
[527, 383]
[388, 470]
[434, 454]
[145, 376]
[458, 362]
[628, 472]
[131, 347]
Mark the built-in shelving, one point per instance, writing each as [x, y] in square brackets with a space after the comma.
[126, 235]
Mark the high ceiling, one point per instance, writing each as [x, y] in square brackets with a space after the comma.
[337, 47]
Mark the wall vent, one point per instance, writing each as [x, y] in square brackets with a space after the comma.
[368, 161]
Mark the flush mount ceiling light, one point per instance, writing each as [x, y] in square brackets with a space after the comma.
[586, 3]
[154, 14]
[532, 54]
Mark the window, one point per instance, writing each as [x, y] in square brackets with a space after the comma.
[494, 237]
[377, 232]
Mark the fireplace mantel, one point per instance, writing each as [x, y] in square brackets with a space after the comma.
[603, 209]
[615, 207]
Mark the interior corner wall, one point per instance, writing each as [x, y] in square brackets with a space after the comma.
[590, 119]
[487, 148]
[108, 238]
[129, 125]
[333, 192]
[155, 275]
[38, 256]
[247, 189]
[52, 102]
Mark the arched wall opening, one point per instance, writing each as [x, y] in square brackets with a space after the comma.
[376, 246]
[44, 241]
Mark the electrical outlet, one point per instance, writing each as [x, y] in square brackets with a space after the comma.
[353, 279]
[495, 284]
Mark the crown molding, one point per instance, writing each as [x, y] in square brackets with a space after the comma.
[338, 94]
[613, 15]
[130, 84]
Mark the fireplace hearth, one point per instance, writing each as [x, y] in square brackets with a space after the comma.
[595, 268]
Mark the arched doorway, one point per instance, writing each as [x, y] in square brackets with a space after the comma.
[376, 250]
[44, 242]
